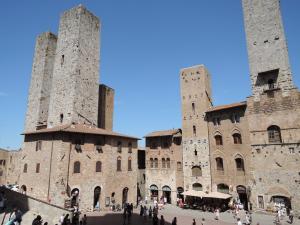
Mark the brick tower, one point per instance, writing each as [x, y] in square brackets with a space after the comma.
[41, 79]
[267, 48]
[106, 107]
[74, 96]
[195, 101]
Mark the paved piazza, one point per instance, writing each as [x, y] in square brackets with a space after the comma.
[184, 217]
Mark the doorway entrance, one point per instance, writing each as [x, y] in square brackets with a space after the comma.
[285, 201]
[97, 194]
[166, 194]
[125, 196]
[241, 190]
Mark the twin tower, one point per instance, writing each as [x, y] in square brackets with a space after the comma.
[64, 86]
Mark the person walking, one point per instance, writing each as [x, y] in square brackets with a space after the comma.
[239, 222]
[155, 220]
[203, 221]
[174, 222]
[142, 210]
[162, 220]
[150, 212]
[247, 219]
[194, 222]
[37, 221]
[291, 216]
[217, 214]
[84, 220]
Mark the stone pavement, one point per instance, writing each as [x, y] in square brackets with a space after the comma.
[184, 217]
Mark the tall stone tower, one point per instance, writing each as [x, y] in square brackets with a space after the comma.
[74, 96]
[106, 107]
[267, 48]
[41, 79]
[195, 101]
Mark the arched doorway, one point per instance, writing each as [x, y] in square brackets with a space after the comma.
[125, 196]
[154, 192]
[166, 194]
[23, 189]
[223, 188]
[97, 194]
[74, 197]
[242, 192]
[179, 193]
[285, 201]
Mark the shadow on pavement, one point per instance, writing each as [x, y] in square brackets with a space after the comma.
[117, 219]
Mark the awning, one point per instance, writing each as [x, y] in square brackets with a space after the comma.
[202, 194]
[194, 193]
[219, 195]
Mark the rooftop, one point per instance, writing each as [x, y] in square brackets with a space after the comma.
[229, 106]
[79, 128]
[164, 133]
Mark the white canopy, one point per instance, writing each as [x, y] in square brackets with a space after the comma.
[202, 194]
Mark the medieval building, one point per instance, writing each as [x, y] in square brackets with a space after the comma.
[248, 149]
[70, 155]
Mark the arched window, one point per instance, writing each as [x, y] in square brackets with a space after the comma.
[219, 162]
[119, 168]
[129, 147]
[168, 163]
[76, 168]
[156, 163]
[237, 138]
[274, 134]
[25, 168]
[196, 171]
[239, 162]
[163, 163]
[223, 188]
[98, 166]
[151, 163]
[219, 139]
[197, 187]
[119, 146]
[129, 164]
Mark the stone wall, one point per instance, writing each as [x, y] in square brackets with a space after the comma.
[74, 96]
[106, 107]
[41, 81]
[162, 175]
[267, 48]
[232, 121]
[56, 178]
[195, 101]
[275, 166]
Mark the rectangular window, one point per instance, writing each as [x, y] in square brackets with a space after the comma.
[194, 130]
[216, 121]
[38, 145]
[292, 150]
[129, 165]
[260, 200]
[37, 169]
[193, 107]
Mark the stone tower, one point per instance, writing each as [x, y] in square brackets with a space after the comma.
[106, 107]
[41, 79]
[267, 48]
[74, 96]
[195, 101]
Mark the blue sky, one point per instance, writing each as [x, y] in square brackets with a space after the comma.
[143, 46]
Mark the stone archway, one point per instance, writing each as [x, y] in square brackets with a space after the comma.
[97, 195]
[125, 196]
